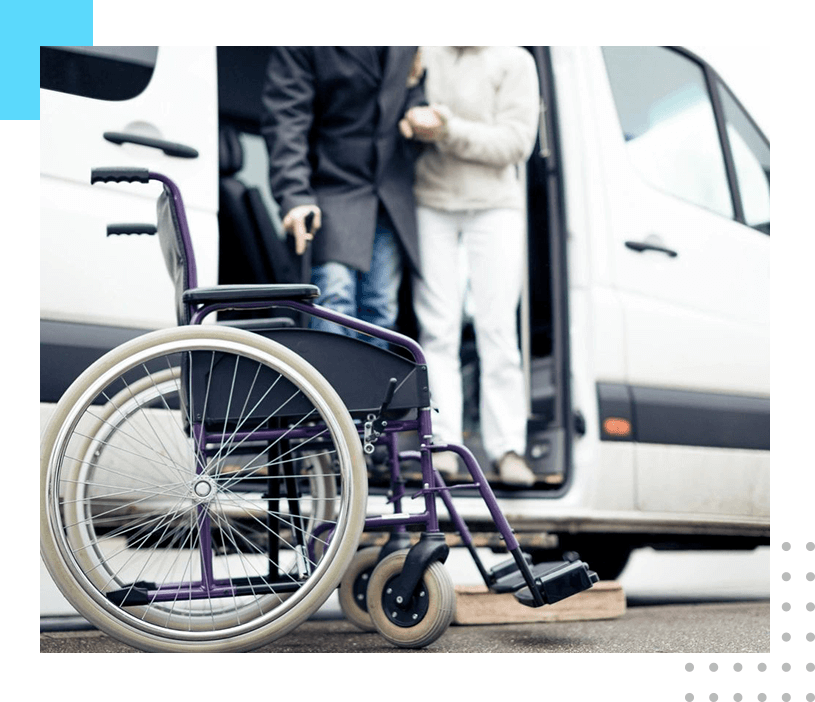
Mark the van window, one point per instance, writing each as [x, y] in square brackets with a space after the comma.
[101, 72]
[668, 123]
[751, 158]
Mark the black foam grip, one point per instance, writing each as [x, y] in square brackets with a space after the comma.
[120, 175]
[114, 229]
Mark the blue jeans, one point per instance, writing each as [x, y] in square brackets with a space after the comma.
[372, 296]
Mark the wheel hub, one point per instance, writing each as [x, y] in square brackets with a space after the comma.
[203, 489]
[401, 613]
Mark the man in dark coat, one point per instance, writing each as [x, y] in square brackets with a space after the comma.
[331, 120]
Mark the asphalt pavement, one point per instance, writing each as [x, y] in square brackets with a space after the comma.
[725, 627]
[711, 602]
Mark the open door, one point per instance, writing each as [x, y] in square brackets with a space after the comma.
[544, 309]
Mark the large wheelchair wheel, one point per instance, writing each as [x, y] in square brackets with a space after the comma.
[203, 489]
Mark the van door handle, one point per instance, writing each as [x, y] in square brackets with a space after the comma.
[641, 246]
[168, 147]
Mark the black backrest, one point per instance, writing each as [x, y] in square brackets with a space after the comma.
[178, 256]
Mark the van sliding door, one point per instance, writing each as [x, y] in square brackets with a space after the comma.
[544, 311]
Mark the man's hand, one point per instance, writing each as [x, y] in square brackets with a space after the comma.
[424, 124]
[295, 224]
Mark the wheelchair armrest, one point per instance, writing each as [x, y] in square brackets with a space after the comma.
[249, 293]
[258, 325]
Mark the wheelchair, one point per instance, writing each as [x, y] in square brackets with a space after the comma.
[204, 487]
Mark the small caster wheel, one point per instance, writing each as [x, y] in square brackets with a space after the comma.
[353, 591]
[425, 617]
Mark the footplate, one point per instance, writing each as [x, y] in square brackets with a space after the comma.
[557, 581]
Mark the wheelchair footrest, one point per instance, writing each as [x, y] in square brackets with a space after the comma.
[557, 582]
[507, 577]
[502, 574]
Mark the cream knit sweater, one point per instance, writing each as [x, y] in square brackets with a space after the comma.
[490, 97]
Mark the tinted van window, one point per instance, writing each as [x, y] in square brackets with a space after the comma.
[668, 123]
[101, 72]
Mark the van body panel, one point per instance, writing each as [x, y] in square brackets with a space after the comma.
[667, 479]
[643, 320]
[86, 276]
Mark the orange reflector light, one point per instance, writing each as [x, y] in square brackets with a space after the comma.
[614, 426]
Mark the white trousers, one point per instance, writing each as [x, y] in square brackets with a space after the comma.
[493, 248]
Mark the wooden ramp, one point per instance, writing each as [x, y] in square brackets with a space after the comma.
[477, 605]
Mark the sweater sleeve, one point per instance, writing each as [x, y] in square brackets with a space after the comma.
[511, 138]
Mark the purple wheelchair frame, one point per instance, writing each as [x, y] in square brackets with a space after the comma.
[433, 485]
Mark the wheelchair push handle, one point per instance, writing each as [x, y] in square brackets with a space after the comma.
[124, 175]
[115, 229]
[120, 175]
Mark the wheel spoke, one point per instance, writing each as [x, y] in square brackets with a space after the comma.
[175, 527]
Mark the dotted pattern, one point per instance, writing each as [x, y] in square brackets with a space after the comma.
[793, 674]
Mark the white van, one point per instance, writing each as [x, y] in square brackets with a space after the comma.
[645, 319]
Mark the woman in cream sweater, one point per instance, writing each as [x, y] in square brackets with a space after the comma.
[470, 196]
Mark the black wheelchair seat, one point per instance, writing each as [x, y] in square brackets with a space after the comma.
[360, 372]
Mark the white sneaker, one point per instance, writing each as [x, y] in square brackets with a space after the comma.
[514, 470]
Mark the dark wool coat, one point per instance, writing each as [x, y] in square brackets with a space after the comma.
[330, 117]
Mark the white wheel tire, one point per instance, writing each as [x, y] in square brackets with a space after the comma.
[101, 612]
[365, 560]
[438, 588]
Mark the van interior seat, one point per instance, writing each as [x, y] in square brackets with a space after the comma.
[251, 250]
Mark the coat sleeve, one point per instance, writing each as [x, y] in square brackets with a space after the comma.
[511, 137]
[416, 97]
[288, 113]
